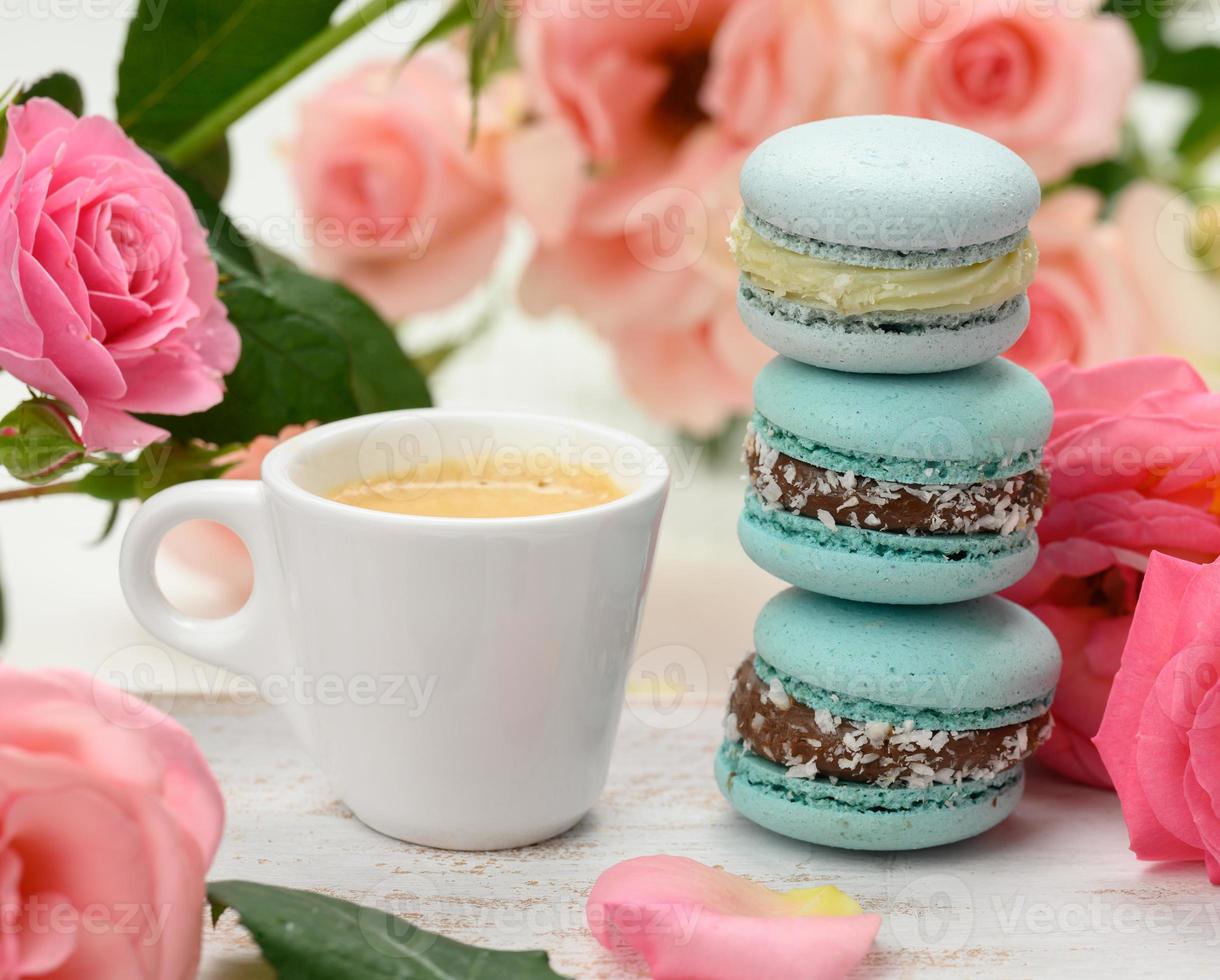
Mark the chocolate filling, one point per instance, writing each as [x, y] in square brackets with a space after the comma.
[817, 742]
[996, 506]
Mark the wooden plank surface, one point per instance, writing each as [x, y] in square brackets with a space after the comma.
[1052, 892]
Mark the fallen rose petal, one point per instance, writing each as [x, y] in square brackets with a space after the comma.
[688, 920]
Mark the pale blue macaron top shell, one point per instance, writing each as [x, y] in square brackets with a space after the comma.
[889, 182]
[981, 422]
[974, 657]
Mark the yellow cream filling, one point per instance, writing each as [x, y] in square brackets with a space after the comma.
[852, 289]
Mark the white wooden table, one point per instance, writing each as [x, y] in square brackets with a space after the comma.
[1052, 892]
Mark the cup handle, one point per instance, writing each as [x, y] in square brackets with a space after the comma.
[244, 642]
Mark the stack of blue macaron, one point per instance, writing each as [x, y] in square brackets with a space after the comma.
[895, 480]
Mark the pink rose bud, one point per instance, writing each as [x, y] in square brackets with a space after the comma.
[38, 442]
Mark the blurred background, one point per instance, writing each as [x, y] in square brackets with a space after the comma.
[566, 254]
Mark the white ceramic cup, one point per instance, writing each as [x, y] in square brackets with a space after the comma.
[458, 680]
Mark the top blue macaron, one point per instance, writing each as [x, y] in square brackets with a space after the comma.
[985, 656]
[889, 183]
[989, 421]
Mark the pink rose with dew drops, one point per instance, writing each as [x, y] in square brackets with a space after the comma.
[1051, 81]
[1134, 458]
[109, 299]
[401, 208]
[109, 819]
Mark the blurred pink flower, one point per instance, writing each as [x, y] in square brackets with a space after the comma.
[400, 207]
[620, 91]
[107, 808]
[622, 85]
[776, 63]
[1160, 736]
[1134, 457]
[688, 920]
[628, 173]
[1082, 305]
[695, 376]
[214, 552]
[604, 279]
[1107, 288]
[1051, 81]
[108, 301]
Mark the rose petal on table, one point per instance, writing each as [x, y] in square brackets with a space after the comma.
[688, 920]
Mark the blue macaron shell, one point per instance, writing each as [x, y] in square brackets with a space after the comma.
[909, 343]
[891, 184]
[983, 422]
[862, 816]
[870, 566]
[982, 663]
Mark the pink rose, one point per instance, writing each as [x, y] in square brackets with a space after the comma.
[619, 93]
[1017, 72]
[1160, 736]
[776, 63]
[626, 82]
[1134, 457]
[400, 207]
[109, 819]
[109, 299]
[1084, 306]
[215, 553]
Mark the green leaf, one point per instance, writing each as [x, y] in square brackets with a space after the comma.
[158, 466]
[306, 936]
[1197, 69]
[212, 169]
[490, 51]
[489, 43]
[1202, 134]
[59, 86]
[165, 464]
[38, 442]
[6, 98]
[112, 518]
[110, 481]
[1109, 177]
[184, 59]
[311, 350]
